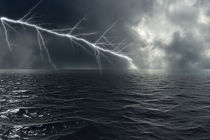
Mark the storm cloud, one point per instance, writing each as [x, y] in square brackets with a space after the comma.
[175, 36]
[172, 35]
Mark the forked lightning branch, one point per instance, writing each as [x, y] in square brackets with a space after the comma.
[99, 51]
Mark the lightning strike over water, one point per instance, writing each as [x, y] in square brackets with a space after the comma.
[98, 50]
[61, 82]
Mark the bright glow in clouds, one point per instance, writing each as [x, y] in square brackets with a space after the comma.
[150, 33]
[156, 31]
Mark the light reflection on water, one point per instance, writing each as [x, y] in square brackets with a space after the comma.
[89, 105]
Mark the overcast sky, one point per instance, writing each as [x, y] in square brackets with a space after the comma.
[173, 35]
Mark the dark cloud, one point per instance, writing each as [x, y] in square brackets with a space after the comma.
[184, 53]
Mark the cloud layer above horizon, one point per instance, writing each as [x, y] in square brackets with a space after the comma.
[173, 35]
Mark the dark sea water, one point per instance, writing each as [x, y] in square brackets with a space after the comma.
[89, 105]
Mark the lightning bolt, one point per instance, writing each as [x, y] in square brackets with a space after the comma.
[77, 39]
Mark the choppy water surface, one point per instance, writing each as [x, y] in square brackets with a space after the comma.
[87, 105]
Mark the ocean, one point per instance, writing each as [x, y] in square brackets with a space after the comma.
[106, 105]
